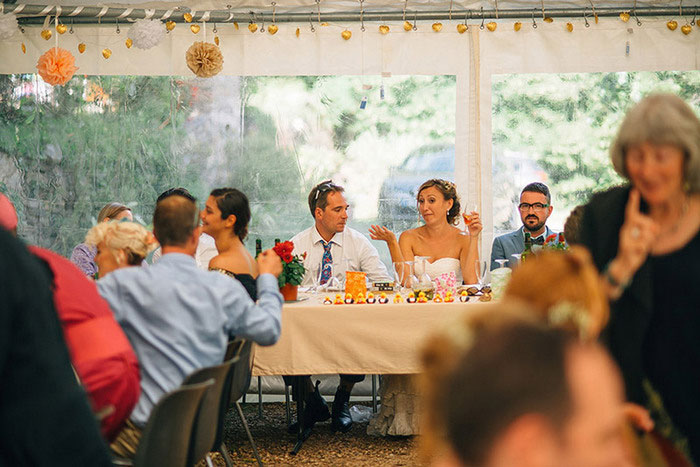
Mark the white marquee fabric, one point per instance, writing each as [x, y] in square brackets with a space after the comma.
[473, 57]
[346, 5]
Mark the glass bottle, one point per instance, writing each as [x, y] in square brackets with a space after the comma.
[258, 247]
[528, 247]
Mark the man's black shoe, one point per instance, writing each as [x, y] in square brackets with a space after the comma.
[315, 410]
[341, 412]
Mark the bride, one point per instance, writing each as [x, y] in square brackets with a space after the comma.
[450, 252]
[447, 246]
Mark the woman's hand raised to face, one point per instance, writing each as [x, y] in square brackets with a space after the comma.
[474, 226]
[378, 232]
[637, 235]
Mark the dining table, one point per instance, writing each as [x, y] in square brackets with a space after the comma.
[358, 338]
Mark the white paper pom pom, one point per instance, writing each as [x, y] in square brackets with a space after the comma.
[8, 25]
[147, 33]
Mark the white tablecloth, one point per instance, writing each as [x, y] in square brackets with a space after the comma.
[354, 339]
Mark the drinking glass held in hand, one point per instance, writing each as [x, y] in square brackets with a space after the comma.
[472, 220]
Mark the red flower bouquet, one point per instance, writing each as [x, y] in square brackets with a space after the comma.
[292, 266]
[556, 242]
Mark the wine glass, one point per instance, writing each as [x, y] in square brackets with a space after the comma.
[517, 258]
[403, 274]
[337, 280]
[480, 268]
[315, 272]
[469, 208]
[501, 263]
[420, 269]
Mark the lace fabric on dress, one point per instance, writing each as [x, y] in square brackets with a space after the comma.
[399, 413]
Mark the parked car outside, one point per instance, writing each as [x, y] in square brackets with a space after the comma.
[397, 196]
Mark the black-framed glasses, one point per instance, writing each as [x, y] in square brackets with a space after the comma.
[537, 207]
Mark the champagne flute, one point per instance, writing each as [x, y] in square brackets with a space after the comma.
[399, 273]
[480, 267]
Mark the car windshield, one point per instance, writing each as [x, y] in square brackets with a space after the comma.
[443, 161]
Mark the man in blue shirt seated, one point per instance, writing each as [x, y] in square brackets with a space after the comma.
[535, 208]
[179, 318]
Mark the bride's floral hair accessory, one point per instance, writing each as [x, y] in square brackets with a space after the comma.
[568, 314]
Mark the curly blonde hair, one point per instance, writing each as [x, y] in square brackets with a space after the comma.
[130, 237]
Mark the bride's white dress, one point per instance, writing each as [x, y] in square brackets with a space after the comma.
[399, 413]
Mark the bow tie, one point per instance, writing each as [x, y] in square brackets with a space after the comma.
[538, 240]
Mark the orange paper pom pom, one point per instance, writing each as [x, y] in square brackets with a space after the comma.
[56, 66]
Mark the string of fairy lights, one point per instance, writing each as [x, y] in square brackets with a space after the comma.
[148, 27]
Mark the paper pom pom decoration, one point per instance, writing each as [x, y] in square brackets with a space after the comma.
[56, 66]
[8, 26]
[204, 59]
[146, 33]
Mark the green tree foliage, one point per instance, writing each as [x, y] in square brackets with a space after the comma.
[564, 124]
[65, 151]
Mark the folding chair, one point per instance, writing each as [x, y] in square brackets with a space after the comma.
[210, 418]
[167, 437]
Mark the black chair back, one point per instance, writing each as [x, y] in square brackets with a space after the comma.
[242, 371]
[233, 348]
[210, 419]
[167, 437]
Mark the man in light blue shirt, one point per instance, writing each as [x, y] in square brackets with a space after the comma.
[180, 318]
[535, 208]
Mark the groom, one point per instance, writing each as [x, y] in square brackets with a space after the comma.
[326, 240]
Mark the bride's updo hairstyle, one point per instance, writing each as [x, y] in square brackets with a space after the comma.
[449, 191]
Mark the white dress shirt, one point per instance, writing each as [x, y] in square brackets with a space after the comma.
[349, 245]
[206, 250]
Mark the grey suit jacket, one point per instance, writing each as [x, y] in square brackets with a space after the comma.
[511, 243]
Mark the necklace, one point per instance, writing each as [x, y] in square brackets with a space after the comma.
[684, 209]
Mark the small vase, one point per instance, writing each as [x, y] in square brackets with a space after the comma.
[289, 292]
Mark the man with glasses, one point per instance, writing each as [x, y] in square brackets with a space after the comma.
[329, 241]
[535, 208]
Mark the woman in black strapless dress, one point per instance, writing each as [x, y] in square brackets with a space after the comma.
[225, 217]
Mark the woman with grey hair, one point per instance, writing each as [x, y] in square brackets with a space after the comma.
[645, 238]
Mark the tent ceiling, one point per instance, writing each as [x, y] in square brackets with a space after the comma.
[341, 10]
